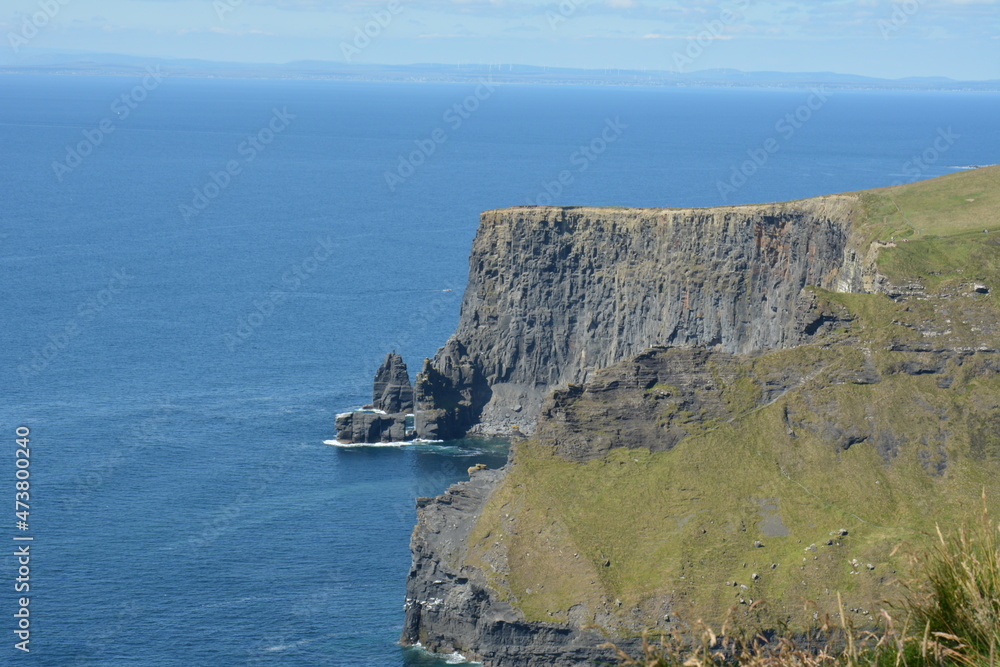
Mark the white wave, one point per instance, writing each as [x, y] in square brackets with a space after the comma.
[370, 411]
[403, 443]
[455, 658]
[348, 445]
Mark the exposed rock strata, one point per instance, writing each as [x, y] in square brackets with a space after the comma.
[555, 294]
[371, 427]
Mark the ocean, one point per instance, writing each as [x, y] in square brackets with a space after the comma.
[198, 274]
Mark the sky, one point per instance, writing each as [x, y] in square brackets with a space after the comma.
[882, 38]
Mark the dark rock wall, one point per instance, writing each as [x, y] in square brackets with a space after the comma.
[555, 294]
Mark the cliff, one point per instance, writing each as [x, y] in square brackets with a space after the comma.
[557, 293]
[726, 407]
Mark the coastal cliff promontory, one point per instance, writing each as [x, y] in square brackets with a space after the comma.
[746, 411]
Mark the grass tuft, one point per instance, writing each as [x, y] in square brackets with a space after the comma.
[958, 597]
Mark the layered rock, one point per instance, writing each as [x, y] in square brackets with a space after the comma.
[449, 392]
[555, 294]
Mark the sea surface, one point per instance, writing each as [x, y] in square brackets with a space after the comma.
[196, 275]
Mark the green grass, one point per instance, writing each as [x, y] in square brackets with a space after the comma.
[936, 207]
[936, 262]
[957, 596]
[637, 528]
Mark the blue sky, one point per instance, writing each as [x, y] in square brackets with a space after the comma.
[885, 38]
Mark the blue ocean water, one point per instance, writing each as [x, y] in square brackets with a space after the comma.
[214, 270]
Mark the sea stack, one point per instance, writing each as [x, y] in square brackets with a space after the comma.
[392, 392]
[392, 405]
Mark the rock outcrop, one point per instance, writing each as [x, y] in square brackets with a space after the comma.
[555, 294]
[449, 606]
[371, 427]
[392, 392]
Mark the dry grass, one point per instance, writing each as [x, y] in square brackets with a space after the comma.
[958, 596]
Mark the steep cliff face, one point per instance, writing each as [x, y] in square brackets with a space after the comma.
[557, 293]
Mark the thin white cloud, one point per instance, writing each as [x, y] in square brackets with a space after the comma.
[705, 36]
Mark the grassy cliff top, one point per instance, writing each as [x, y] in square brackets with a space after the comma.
[960, 202]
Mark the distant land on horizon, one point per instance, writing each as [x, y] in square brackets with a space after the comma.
[93, 64]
